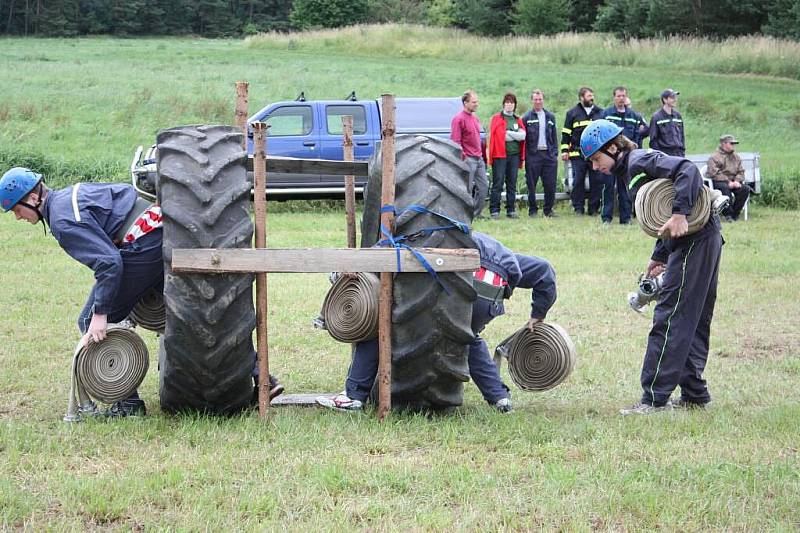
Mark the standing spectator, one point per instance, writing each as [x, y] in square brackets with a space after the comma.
[465, 130]
[727, 174]
[630, 122]
[666, 126]
[541, 153]
[644, 128]
[506, 154]
[575, 122]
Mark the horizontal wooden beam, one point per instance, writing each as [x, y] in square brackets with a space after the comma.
[290, 165]
[213, 261]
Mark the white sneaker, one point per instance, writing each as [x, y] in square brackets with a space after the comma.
[503, 405]
[340, 402]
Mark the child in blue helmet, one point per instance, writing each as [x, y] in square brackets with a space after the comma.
[106, 227]
[678, 343]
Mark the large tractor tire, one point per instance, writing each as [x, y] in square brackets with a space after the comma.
[431, 329]
[207, 355]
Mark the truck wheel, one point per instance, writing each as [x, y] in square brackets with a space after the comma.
[208, 354]
[431, 330]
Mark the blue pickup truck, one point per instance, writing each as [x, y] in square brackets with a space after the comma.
[313, 130]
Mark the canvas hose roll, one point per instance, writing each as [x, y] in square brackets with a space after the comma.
[106, 371]
[150, 312]
[350, 310]
[654, 207]
[538, 360]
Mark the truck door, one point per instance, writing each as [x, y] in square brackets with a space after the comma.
[332, 133]
[292, 133]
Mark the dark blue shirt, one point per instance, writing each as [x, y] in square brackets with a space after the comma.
[629, 120]
[519, 270]
[84, 225]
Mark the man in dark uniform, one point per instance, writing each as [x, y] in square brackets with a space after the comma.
[541, 153]
[677, 347]
[630, 121]
[500, 273]
[106, 227]
[576, 120]
[666, 126]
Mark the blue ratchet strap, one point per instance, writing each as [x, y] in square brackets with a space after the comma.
[397, 242]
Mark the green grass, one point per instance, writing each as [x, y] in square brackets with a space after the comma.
[564, 460]
[79, 107]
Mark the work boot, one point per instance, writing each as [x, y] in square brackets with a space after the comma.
[127, 407]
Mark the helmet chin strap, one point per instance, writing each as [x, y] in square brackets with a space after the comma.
[37, 208]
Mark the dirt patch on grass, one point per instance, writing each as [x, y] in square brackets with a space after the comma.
[765, 346]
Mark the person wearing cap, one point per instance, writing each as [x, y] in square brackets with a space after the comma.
[666, 126]
[501, 272]
[678, 343]
[106, 227]
[726, 172]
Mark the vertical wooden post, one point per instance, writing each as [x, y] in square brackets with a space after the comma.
[260, 207]
[385, 298]
[241, 109]
[349, 182]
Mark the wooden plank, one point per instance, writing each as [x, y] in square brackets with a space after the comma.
[290, 165]
[260, 208]
[299, 400]
[385, 296]
[307, 260]
[349, 182]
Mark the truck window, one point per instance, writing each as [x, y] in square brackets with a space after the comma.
[290, 120]
[334, 113]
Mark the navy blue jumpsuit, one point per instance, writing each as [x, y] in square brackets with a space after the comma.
[516, 269]
[678, 343]
[85, 224]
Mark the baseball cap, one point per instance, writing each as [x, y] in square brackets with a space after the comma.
[669, 92]
[728, 138]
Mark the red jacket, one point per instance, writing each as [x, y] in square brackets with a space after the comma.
[497, 139]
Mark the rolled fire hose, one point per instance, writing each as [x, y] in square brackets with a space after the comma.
[150, 312]
[106, 371]
[350, 310]
[538, 360]
[654, 207]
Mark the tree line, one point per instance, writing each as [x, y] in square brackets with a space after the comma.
[222, 18]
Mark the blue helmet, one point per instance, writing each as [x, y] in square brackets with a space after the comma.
[596, 135]
[15, 185]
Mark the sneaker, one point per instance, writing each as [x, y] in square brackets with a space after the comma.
[644, 409]
[340, 402]
[689, 405]
[503, 405]
[495, 216]
[275, 389]
[512, 214]
[127, 407]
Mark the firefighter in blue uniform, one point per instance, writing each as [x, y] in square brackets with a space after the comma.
[633, 128]
[501, 272]
[678, 343]
[666, 126]
[106, 227]
[575, 122]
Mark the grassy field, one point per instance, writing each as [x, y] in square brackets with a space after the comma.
[80, 107]
[564, 460]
